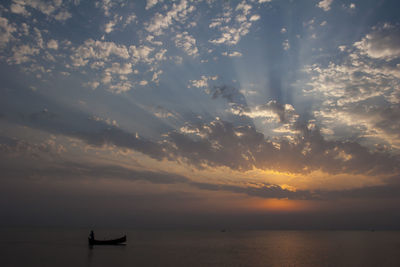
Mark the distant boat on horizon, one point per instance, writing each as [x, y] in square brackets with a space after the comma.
[117, 241]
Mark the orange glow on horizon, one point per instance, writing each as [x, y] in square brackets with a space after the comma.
[283, 205]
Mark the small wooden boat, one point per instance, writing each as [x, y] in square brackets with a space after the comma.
[117, 241]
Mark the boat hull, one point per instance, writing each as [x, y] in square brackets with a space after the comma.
[117, 241]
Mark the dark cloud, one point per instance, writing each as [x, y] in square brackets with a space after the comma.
[231, 94]
[221, 143]
[241, 148]
[68, 171]
[237, 102]
[13, 147]
[387, 191]
[265, 191]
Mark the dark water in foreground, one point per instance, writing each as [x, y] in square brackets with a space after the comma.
[28, 247]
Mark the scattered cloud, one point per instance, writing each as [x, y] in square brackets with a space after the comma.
[382, 43]
[232, 54]
[151, 3]
[106, 6]
[19, 9]
[187, 43]
[254, 18]
[203, 82]
[178, 13]
[233, 30]
[22, 53]
[120, 87]
[325, 4]
[109, 26]
[92, 50]
[92, 85]
[141, 53]
[52, 44]
[129, 19]
[6, 31]
[352, 89]
[286, 45]
[63, 15]
[53, 8]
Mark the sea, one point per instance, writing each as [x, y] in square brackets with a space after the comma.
[58, 247]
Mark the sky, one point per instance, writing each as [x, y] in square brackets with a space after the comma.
[249, 114]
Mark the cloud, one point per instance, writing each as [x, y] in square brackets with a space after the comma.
[244, 7]
[187, 43]
[6, 31]
[286, 45]
[105, 58]
[131, 18]
[53, 8]
[160, 55]
[151, 3]
[273, 109]
[224, 144]
[141, 53]
[114, 62]
[52, 44]
[382, 43]
[156, 75]
[242, 148]
[163, 113]
[16, 149]
[19, 9]
[63, 15]
[263, 191]
[325, 4]
[92, 85]
[254, 18]
[150, 39]
[203, 82]
[13, 150]
[22, 54]
[120, 87]
[360, 94]
[109, 27]
[92, 49]
[231, 94]
[117, 68]
[106, 6]
[178, 13]
[233, 30]
[232, 54]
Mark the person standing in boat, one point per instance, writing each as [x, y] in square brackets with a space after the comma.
[91, 236]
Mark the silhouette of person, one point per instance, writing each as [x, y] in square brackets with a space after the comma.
[91, 235]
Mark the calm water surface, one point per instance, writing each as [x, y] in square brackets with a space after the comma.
[55, 247]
